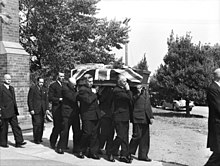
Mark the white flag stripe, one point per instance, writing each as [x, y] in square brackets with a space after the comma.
[108, 74]
[96, 74]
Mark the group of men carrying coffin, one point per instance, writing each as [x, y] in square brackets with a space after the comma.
[104, 112]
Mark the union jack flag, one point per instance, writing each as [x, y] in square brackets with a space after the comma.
[108, 76]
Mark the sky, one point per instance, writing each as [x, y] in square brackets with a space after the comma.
[153, 20]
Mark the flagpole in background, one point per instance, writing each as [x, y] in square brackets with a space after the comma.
[126, 54]
[126, 45]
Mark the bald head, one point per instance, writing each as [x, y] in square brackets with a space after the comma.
[7, 79]
[217, 74]
[122, 80]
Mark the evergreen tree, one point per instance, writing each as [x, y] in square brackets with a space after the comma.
[186, 71]
[142, 65]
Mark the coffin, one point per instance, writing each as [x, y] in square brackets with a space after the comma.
[108, 77]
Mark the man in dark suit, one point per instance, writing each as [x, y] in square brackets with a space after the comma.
[38, 105]
[142, 116]
[55, 96]
[122, 100]
[9, 112]
[70, 117]
[213, 99]
[90, 115]
[105, 96]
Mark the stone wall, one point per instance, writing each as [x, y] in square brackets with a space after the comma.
[14, 60]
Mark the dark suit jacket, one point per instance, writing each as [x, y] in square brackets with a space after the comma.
[105, 96]
[213, 99]
[122, 101]
[69, 106]
[142, 111]
[38, 100]
[8, 103]
[89, 108]
[55, 92]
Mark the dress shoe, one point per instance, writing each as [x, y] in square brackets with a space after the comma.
[130, 157]
[80, 155]
[20, 145]
[94, 156]
[145, 159]
[52, 146]
[4, 146]
[111, 158]
[124, 159]
[37, 142]
[60, 151]
[101, 152]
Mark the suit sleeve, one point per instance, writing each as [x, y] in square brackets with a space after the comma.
[126, 96]
[148, 106]
[213, 98]
[68, 95]
[105, 94]
[1, 100]
[15, 102]
[31, 99]
[51, 94]
[86, 97]
[47, 100]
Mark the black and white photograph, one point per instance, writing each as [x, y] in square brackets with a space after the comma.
[109, 82]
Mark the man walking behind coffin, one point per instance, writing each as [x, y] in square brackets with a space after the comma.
[213, 99]
[122, 101]
[38, 106]
[55, 96]
[142, 116]
[105, 94]
[70, 117]
[9, 112]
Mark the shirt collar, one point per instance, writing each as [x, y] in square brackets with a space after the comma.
[59, 82]
[6, 85]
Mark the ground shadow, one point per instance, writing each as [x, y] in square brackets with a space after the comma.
[45, 142]
[171, 164]
[176, 114]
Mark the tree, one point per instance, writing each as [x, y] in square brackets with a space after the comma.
[142, 65]
[60, 33]
[118, 64]
[186, 71]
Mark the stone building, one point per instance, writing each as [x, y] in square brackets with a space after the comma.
[14, 60]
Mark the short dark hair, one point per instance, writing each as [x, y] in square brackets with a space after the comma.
[80, 82]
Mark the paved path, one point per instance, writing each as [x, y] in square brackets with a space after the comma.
[42, 155]
[200, 110]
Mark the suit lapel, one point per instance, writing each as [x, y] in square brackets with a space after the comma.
[58, 84]
[38, 90]
[7, 91]
[217, 87]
